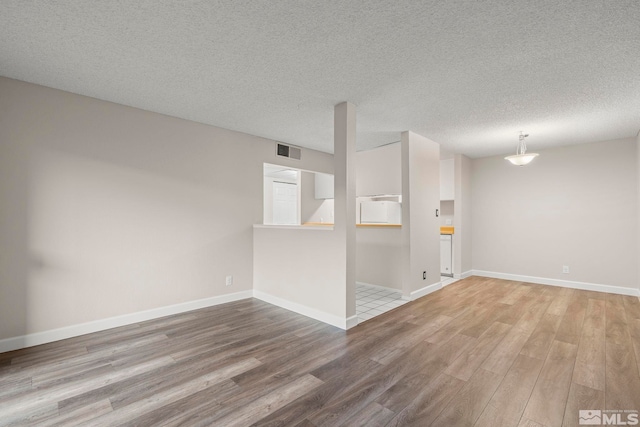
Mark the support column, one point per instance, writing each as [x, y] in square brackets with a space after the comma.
[462, 216]
[344, 154]
[420, 226]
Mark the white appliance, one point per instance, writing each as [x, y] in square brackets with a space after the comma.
[380, 212]
[446, 255]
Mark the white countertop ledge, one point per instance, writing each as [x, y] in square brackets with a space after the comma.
[295, 227]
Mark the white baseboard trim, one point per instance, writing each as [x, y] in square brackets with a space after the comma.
[29, 340]
[414, 295]
[585, 286]
[352, 321]
[331, 319]
[464, 275]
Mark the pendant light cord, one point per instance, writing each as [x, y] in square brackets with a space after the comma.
[522, 145]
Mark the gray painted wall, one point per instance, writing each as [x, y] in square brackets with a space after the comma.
[574, 206]
[107, 210]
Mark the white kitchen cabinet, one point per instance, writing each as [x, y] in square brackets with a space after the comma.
[446, 255]
[324, 186]
[447, 180]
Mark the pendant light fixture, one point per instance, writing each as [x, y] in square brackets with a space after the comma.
[521, 157]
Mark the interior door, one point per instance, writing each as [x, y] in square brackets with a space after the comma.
[285, 203]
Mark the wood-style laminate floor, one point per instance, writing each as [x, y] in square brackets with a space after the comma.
[480, 352]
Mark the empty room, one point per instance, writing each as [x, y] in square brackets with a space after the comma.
[319, 213]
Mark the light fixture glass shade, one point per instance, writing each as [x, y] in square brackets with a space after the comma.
[521, 159]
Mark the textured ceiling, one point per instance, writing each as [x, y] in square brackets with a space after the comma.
[467, 74]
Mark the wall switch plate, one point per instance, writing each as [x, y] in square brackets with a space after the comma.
[229, 280]
[565, 269]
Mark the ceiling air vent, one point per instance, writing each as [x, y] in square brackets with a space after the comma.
[288, 151]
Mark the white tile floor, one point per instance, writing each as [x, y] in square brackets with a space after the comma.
[372, 301]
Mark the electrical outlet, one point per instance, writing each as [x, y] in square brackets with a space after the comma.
[229, 280]
[565, 269]
[424, 275]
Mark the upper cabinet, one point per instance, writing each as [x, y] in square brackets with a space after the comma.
[447, 181]
[324, 186]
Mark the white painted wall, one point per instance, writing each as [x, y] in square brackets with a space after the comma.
[420, 226]
[574, 206]
[379, 171]
[107, 210]
[379, 256]
[638, 208]
[447, 212]
[303, 269]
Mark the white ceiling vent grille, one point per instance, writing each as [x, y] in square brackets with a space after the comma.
[283, 150]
